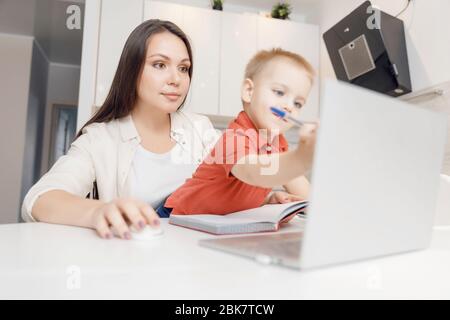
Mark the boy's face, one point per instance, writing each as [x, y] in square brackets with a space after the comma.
[281, 83]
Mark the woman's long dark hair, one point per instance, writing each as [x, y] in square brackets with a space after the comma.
[123, 93]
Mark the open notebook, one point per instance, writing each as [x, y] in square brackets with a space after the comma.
[261, 219]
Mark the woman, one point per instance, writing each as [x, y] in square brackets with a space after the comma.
[131, 148]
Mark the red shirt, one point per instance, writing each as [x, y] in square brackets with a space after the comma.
[213, 189]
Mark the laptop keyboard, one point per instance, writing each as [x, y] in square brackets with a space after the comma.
[283, 245]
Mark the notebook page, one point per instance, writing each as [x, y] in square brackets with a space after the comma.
[215, 219]
[268, 213]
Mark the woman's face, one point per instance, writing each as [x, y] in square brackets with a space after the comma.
[164, 80]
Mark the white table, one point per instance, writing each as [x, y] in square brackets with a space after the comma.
[39, 260]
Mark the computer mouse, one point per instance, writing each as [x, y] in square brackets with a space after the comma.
[147, 233]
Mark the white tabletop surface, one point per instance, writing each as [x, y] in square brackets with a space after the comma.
[41, 261]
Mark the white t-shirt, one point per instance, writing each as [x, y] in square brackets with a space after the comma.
[155, 176]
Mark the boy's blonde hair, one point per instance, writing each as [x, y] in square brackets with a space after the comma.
[260, 59]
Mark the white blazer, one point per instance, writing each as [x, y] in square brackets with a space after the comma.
[105, 151]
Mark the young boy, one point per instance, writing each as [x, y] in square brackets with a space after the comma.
[251, 157]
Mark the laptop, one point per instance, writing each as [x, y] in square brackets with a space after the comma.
[374, 184]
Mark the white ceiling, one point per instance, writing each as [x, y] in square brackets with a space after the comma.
[60, 44]
[46, 21]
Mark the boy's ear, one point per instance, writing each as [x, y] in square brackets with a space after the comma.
[247, 90]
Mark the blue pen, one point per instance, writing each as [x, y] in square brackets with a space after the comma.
[282, 114]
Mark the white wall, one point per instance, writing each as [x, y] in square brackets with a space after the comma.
[427, 36]
[439, 103]
[17, 16]
[31, 167]
[15, 70]
[63, 86]
[24, 71]
[427, 31]
[88, 75]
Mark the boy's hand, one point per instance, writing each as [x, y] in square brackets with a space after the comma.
[282, 197]
[307, 143]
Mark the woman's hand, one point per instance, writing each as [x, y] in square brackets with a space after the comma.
[282, 197]
[121, 214]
